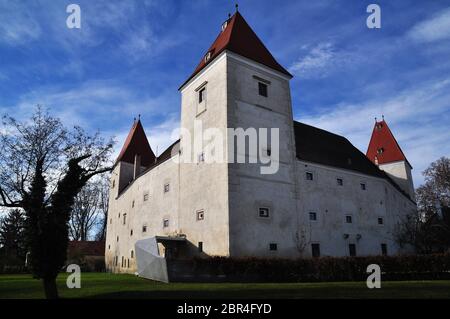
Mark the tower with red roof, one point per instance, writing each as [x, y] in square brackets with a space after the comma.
[385, 152]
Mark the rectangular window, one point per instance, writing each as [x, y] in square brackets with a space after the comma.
[144, 228]
[264, 212]
[201, 215]
[124, 219]
[165, 223]
[309, 176]
[200, 246]
[315, 250]
[352, 250]
[262, 87]
[363, 186]
[312, 216]
[380, 221]
[132, 254]
[340, 181]
[201, 95]
[166, 188]
[117, 238]
[131, 232]
[132, 204]
[273, 246]
[348, 219]
[145, 197]
[384, 250]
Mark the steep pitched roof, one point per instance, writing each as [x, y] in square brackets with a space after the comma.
[383, 147]
[322, 147]
[136, 143]
[239, 38]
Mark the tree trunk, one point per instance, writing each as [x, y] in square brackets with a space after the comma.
[51, 291]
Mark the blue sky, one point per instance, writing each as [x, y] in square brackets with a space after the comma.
[129, 58]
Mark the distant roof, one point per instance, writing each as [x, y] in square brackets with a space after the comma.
[238, 37]
[87, 248]
[383, 146]
[322, 147]
[136, 143]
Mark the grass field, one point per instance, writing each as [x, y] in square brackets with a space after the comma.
[101, 285]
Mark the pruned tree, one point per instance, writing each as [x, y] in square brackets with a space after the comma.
[43, 166]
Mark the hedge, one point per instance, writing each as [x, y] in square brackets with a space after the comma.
[414, 267]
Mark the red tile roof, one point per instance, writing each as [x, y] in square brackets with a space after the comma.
[239, 38]
[87, 248]
[383, 147]
[136, 143]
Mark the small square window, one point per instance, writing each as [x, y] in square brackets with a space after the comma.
[145, 197]
[264, 212]
[363, 186]
[166, 188]
[165, 223]
[309, 176]
[144, 228]
[201, 215]
[380, 221]
[262, 87]
[312, 216]
[348, 219]
[273, 246]
[201, 95]
[340, 181]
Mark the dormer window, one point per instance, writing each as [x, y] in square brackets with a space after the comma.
[224, 25]
[207, 56]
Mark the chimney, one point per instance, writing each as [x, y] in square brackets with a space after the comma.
[137, 166]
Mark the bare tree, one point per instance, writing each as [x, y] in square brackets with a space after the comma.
[103, 207]
[429, 230]
[85, 211]
[43, 166]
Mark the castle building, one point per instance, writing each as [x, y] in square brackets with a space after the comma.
[326, 198]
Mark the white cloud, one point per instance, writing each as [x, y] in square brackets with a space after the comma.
[17, 26]
[316, 62]
[417, 116]
[434, 29]
[320, 60]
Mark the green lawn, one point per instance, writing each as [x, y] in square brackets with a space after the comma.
[99, 285]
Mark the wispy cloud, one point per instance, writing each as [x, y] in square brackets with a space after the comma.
[320, 60]
[416, 115]
[17, 26]
[433, 29]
